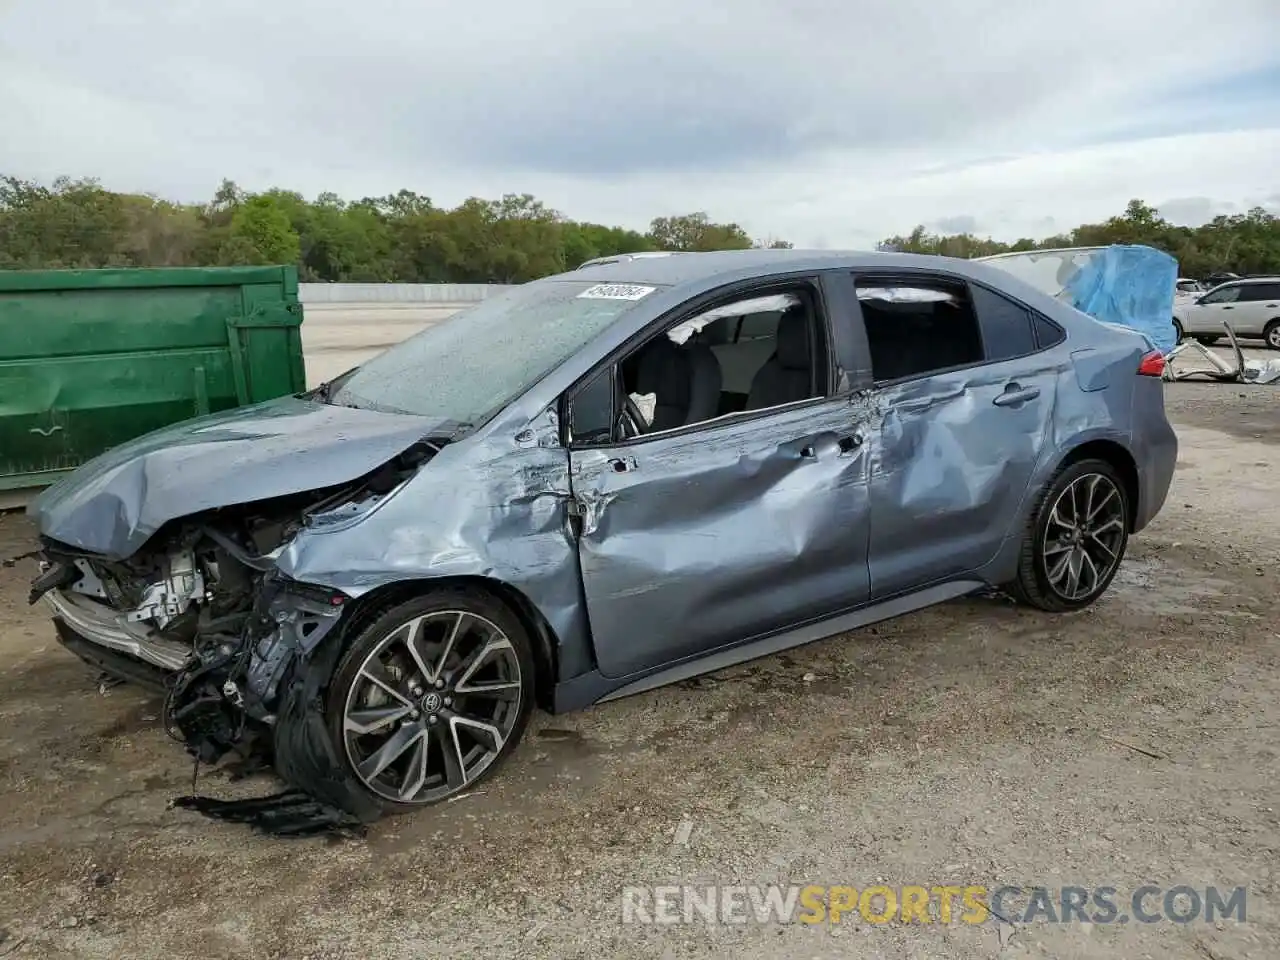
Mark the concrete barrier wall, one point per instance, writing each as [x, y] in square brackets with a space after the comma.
[338, 336]
[390, 293]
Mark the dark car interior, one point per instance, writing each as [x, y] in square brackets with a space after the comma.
[913, 337]
[734, 363]
[761, 358]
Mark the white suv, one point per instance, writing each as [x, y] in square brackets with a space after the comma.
[1187, 290]
[1251, 305]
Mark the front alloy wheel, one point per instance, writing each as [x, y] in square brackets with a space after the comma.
[431, 696]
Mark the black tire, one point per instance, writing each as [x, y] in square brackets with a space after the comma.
[486, 618]
[1177, 333]
[1034, 584]
[1207, 340]
[1271, 334]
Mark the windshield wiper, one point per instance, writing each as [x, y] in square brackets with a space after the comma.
[324, 392]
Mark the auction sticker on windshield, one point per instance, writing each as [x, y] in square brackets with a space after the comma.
[615, 291]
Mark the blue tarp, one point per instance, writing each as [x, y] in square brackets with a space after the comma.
[1127, 285]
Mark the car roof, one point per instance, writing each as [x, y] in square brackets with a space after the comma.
[693, 268]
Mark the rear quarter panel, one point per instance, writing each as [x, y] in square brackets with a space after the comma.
[1100, 397]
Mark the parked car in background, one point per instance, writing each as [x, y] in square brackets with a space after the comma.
[1216, 279]
[1251, 305]
[1187, 289]
[597, 484]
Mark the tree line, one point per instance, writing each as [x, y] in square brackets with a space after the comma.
[406, 237]
[401, 237]
[1247, 243]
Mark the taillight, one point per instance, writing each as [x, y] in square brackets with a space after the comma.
[1152, 365]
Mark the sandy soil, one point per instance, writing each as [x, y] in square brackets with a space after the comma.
[975, 743]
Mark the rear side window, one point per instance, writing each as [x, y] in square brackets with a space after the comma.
[1010, 329]
[918, 327]
[1048, 333]
[1257, 292]
[1007, 327]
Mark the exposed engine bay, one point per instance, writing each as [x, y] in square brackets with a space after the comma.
[201, 614]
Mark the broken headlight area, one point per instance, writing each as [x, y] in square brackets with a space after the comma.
[198, 597]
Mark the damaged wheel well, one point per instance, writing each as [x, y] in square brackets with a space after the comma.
[371, 605]
[1120, 458]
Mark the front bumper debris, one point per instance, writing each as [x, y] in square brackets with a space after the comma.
[100, 624]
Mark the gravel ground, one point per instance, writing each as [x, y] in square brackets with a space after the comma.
[974, 743]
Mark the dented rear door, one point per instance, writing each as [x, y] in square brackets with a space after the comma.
[954, 453]
[709, 537]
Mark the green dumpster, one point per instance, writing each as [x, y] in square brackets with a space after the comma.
[91, 358]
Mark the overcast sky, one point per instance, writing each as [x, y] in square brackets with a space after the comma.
[825, 122]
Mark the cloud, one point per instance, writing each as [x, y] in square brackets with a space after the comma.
[1193, 210]
[809, 119]
[960, 224]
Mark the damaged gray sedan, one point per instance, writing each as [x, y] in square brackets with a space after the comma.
[598, 484]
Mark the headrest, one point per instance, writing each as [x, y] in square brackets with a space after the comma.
[793, 339]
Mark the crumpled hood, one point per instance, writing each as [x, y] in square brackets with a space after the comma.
[115, 502]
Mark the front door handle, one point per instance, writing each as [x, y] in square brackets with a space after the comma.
[1015, 394]
[622, 464]
[1228, 308]
[822, 445]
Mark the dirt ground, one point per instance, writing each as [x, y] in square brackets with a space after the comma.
[975, 743]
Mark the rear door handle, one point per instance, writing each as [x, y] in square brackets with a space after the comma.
[850, 443]
[1015, 394]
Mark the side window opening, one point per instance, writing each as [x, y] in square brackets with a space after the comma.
[748, 354]
[918, 327]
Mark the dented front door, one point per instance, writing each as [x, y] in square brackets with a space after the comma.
[706, 538]
[950, 466]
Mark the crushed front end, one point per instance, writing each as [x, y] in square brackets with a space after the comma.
[202, 615]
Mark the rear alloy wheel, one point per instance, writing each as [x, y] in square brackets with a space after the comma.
[431, 696]
[1272, 334]
[1077, 538]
